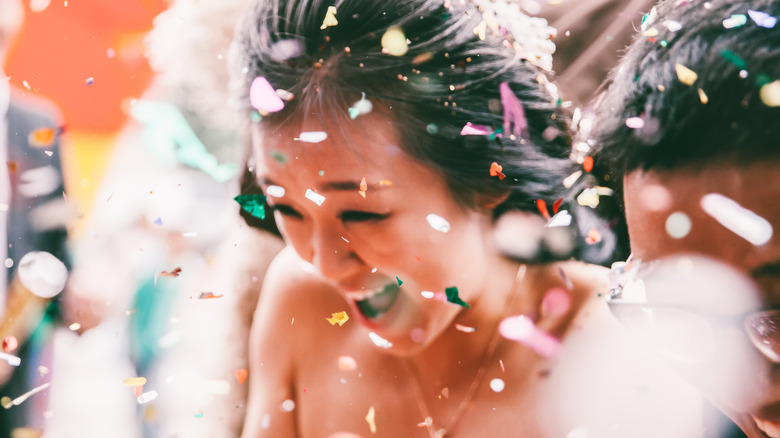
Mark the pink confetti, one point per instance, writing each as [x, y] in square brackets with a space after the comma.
[521, 329]
[556, 302]
[514, 115]
[635, 122]
[263, 97]
[471, 129]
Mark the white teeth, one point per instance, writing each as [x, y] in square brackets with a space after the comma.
[363, 295]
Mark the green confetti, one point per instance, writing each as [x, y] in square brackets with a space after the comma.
[734, 59]
[432, 128]
[321, 173]
[399, 281]
[354, 112]
[199, 415]
[278, 156]
[255, 116]
[252, 204]
[452, 296]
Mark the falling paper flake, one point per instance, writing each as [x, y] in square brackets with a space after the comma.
[21, 399]
[241, 375]
[514, 114]
[423, 57]
[330, 18]
[284, 95]
[89, 82]
[522, 329]
[770, 93]
[135, 381]
[672, 25]
[561, 219]
[557, 205]
[12, 360]
[379, 341]
[703, 96]
[589, 198]
[762, 19]
[394, 41]
[465, 329]
[497, 385]
[495, 170]
[361, 107]
[275, 191]
[734, 21]
[678, 225]
[471, 129]
[312, 137]
[208, 295]
[363, 187]
[399, 281]
[338, 318]
[733, 58]
[593, 237]
[347, 363]
[452, 297]
[314, 197]
[43, 137]
[541, 205]
[685, 75]
[158, 221]
[173, 273]
[481, 30]
[738, 219]
[252, 204]
[147, 397]
[288, 406]
[74, 327]
[10, 343]
[263, 97]
[635, 122]
[587, 164]
[569, 181]
[371, 420]
[438, 223]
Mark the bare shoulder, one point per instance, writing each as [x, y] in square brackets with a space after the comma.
[582, 280]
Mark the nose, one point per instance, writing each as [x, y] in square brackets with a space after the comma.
[333, 255]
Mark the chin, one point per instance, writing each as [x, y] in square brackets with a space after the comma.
[768, 419]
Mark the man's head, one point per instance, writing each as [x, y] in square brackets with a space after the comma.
[689, 126]
[11, 17]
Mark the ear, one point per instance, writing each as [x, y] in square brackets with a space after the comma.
[489, 202]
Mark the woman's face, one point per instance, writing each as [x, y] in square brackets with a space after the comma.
[363, 245]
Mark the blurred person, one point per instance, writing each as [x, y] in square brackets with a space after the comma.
[405, 148]
[688, 128]
[33, 215]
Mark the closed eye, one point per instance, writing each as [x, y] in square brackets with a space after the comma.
[361, 216]
[286, 210]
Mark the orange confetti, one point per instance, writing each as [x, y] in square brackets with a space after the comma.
[41, 138]
[593, 237]
[338, 318]
[542, 206]
[207, 295]
[363, 187]
[495, 170]
[241, 375]
[12, 166]
[174, 273]
[422, 57]
[587, 165]
[557, 205]
[10, 343]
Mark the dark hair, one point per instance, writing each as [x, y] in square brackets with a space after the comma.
[448, 78]
[720, 116]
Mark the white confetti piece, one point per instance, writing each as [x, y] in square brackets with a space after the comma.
[314, 197]
[561, 219]
[12, 360]
[379, 341]
[738, 219]
[497, 385]
[288, 405]
[735, 21]
[438, 223]
[312, 136]
[672, 25]
[762, 19]
[635, 122]
[678, 225]
[19, 400]
[275, 191]
[147, 397]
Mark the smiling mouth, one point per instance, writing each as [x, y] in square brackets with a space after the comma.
[377, 304]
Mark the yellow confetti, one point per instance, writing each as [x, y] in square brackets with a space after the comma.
[135, 381]
[338, 318]
[371, 420]
[770, 93]
[481, 29]
[385, 182]
[422, 57]
[650, 32]
[363, 187]
[394, 41]
[703, 96]
[347, 363]
[685, 75]
[330, 18]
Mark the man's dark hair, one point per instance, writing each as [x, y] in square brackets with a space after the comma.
[721, 115]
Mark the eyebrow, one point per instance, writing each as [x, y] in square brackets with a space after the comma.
[340, 186]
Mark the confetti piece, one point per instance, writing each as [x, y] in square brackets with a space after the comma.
[89, 82]
[542, 207]
[521, 329]
[678, 225]
[208, 295]
[190, 234]
[399, 281]
[275, 191]
[452, 297]
[379, 341]
[737, 219]
[370, 419]
[330, 18]
[21, 399]
[347, 363]
[762, 19]
[672, 25]
[495, 170]
[363, 187]
[566, 280]
[252, 204]
[557, 205]
[589, 198]
[472, 129]
[465, 329]
[74, 327]
[338, 318]
[593, 237]
[284, 95]
[10, 343]
[733, 58]
[135, 381]
[734, 21]
[199, 415]
[361, 107]
[394, 41]
[561, 219]
[438, 223]
[497, 385]
[422, 57]
[263, 97]
[685, 75]
[314, 197]
[569, 181]
[770, 93]
[587, 164]
[12, 360]
[650, 32]
[43, 137]
[481, 29]
[432, 129]
[158, 221]
[241, 375]
[147, 397]
[288, 406]
[635, 122]
[514, 114]
[703, 96]
[312, 137]
[173, 273]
